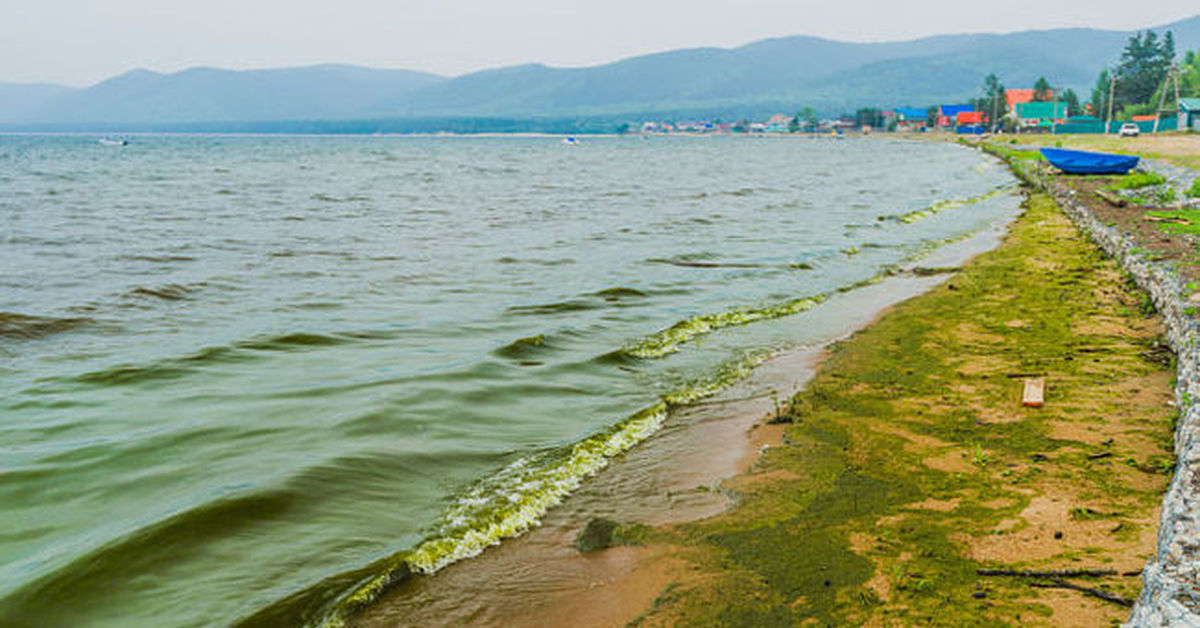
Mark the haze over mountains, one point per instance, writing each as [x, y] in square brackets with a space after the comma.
[769, 76]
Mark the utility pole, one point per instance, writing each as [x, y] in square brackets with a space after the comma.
[1173, 77]
[1054, 113]
[1112, 89]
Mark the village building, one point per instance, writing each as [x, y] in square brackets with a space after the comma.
[1033, 114]
[1189, 113]
[1014, 97]
[911, 119]
[779, 123]
[971, 122]
[948, 114]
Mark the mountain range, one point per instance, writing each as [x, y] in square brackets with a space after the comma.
[754, 80]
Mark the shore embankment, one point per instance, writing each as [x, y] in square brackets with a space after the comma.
[1159, 254]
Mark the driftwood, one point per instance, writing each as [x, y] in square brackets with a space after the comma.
[1174, 221]
[1097, 593]
[1046, 573]
[1110, 198]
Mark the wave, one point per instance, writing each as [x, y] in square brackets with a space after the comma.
[330, 198]
[667, 341]
[25, 327]
[536, 262]
[173, 368]
[158, 259]
[513, 500]
[618, 293]
[146, 550]
[522, 348]
[942, 206]
[608, 297]
[561, 307]
[166, 292]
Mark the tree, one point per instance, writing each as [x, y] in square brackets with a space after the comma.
[931, 116]
[1072, 99]
[868, 116]
[1143, 66]
[1042, 91]
[808, 116]
[1189, 75]
[994, 102]
[1100, 94]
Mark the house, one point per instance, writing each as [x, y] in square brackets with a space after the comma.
[911, 118]
[971, 117]
[971, 122]
[1041, 113]
[1014, 97]
[1189, 113]
[948, 113]
[778, 123]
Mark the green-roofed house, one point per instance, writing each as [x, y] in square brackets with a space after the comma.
[1040, 113]
[1189, 113]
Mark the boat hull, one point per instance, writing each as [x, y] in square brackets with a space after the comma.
[1086, 162]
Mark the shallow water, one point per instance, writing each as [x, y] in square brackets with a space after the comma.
[236, 373]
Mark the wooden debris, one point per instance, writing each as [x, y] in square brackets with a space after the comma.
[1096, 593]
[1046, 573]
[1035, 392]
[1172, 220]
[1110, 198]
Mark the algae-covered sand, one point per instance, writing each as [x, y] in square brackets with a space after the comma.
[909, 463]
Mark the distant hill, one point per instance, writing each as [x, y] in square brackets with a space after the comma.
[207, 94]
[749, 81]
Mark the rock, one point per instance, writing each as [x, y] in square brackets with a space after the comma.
[600, 533]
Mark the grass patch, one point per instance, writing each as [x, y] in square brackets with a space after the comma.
[1137, 181]
[1194, 190]
[1190, 220]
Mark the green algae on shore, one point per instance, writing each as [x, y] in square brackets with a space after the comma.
[909, 464]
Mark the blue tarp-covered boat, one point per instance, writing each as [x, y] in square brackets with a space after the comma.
[1085, 162]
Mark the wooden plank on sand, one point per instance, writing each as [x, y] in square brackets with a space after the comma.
[1035, 392]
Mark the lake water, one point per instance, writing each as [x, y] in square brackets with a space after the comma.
[247, 373]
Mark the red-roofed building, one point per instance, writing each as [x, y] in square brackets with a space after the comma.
[1146, 118]
[778, 123]
[1014, 97]
[970, 117]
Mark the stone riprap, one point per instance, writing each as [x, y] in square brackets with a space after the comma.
[1171, 580]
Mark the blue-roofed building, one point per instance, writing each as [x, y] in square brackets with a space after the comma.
[948, 113]
[951, 111]
[911, 118]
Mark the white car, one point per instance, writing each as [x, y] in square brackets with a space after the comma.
[1128, 129]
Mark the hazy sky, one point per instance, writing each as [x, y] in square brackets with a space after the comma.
[79, 42]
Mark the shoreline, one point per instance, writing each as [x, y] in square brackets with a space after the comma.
[674, 478]
[669, 559]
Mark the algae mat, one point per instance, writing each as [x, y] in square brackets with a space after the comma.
[909, 463]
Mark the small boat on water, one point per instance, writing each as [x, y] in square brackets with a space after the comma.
[109, 141]
[1086, 162]
[570, 140]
